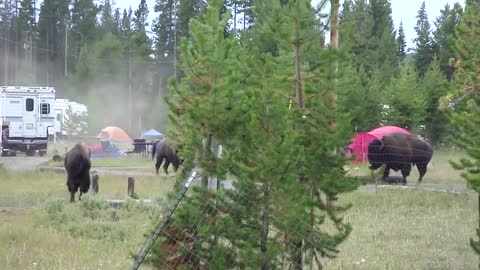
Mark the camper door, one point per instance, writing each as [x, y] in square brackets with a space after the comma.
[30, 117]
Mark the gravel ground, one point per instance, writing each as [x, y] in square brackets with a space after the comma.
[22, 163]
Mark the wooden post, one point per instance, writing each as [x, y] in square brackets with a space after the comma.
[131, 186]
[94, 183]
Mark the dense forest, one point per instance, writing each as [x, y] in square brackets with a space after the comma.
[119, 65]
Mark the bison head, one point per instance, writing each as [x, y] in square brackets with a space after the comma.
[375, 154]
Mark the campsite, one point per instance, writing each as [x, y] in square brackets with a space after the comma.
[215, 134]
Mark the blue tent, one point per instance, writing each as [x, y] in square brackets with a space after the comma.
[153, 134]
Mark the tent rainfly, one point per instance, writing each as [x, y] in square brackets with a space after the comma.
[359, 145]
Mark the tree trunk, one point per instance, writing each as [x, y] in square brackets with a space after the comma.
[208, 145]
[334, 36]
[298, 244]
[265, 226]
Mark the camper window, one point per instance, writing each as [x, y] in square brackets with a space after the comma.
[45, 108]
[29, 104]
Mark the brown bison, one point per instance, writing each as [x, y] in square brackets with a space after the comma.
[399, 152]
[77, 164]
[166, 150]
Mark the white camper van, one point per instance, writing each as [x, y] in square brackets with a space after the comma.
[28, 113]
[61, 106]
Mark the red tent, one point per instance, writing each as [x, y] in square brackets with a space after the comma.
[360, 142]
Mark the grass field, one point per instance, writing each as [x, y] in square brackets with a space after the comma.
[31, 237]
[130, 162]
[393, 229]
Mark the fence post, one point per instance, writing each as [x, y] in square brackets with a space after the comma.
[95, 182]
[131, 186]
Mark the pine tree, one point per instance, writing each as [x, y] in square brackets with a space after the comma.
[163, 28]
[401, 44]
[141, 16]
[239, 94]
[51, 30]
[423, 42]
[74, 123]
[435, 86]
[467, 119]
[83, 29]
[444, 32]
[403, 110]
[382, 38]
[187, 10]
[106, 19]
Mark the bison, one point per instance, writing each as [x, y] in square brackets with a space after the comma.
[399, 151]
[77, 164]
[165, 150]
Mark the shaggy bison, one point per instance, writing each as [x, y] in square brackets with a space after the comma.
[77, 164]
[399, 151]
[165, 149]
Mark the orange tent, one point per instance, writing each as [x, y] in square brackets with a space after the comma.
[114, 134]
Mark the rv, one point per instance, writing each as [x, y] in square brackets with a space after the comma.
[26, 114]
[61, 106]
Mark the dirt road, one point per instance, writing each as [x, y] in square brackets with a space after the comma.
[22, 163]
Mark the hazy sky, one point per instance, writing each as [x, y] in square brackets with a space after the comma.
[403, 10]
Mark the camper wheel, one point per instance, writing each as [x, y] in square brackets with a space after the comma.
[42, 152]
[30, 152]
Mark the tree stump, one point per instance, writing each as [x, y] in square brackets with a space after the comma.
[131, 186]
[94, 183]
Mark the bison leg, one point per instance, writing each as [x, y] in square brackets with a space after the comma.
[386, 173]
[158, 163]
[406, 172]
[422, 169]
[72, 197]
[80, 196]
[165, 166]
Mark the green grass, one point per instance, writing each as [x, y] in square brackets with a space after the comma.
[392, 229]
[406, 229]
[82, 235]
[34, 188]
[438, 172]
[130, 162]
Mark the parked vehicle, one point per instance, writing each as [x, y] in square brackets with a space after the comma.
[26, 114]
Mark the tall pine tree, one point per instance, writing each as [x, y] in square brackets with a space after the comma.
[401, 44]
[424, 47]
[467, 120]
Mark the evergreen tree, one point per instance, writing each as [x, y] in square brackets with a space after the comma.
[423, 42]
[404, 110]
[141, 16]
[401, 44]
[435, 86]
[359, 98]
[239, 95]
[467, 119]
[382, 39]
[187, 10]
[444, 32]
[117, 22]
[163, 29]
[83, 29]
[106, 19]
[126, 25]
[51, 29]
